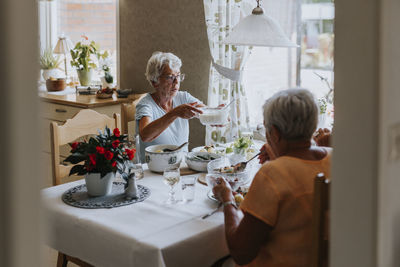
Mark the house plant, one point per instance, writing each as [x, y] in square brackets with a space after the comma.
[49, 64]
[105, 66]
[102, 156]
[84, 56]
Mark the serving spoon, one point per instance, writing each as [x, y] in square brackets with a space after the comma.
[242, 165]
[174, 149]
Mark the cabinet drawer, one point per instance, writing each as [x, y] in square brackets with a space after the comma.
[57, 112]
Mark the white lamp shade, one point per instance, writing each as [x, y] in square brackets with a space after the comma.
[63, 46]
[258, 30]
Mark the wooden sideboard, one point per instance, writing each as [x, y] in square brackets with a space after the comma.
[59, 108]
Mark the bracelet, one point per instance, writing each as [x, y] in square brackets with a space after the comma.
[230, 203]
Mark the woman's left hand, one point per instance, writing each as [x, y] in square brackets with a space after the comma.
[222, 190]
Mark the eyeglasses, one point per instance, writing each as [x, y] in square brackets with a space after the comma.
[172, 78]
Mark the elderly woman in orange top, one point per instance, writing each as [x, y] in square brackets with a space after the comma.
[273, 227]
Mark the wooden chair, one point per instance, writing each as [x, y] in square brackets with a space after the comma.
[85, 122]
[128, 112]
[320, 222]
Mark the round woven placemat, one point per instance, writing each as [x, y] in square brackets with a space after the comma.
[78, 197]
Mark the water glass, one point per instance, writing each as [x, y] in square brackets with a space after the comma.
[137, 169]
[171, 178]
[188, 188]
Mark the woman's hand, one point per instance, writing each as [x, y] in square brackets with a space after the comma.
[222, 190]
[323, 137]
[266, 153]
[186, 111]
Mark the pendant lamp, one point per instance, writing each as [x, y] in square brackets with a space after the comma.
[258, 29]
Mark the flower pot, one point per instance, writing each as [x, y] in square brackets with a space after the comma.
[85, 77]
[51, 73]
[97, 186]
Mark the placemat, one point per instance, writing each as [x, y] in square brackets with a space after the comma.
[78, 197]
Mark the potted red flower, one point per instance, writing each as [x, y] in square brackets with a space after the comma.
[102, 156]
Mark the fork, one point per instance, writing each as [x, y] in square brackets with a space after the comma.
[212, 212]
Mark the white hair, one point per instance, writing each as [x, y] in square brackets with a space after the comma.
[293, 112]
[157, 62]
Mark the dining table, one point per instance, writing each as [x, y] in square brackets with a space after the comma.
[148, 233]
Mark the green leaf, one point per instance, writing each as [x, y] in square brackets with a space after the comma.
[75, 158]
[78, 169]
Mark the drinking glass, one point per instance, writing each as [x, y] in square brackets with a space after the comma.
[188, 187]
[171, 178]
[138, 170]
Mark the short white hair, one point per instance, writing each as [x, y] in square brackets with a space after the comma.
[293, 112]
[157, 62]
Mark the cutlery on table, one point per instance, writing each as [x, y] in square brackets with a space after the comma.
[212, 212]
[174, 149]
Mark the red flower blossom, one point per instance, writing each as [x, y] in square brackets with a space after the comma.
[100, 149]
[85, 37]
[114, 164]
[108, 155]
[116, 132]
[74, 145]
[116, 143]
[130, 153]
[92, 158]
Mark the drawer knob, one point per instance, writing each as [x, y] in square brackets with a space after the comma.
[61, 110]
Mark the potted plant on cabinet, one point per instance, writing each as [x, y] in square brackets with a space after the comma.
[49, 64]
[83, 56]
[102, 156]
[105, 66]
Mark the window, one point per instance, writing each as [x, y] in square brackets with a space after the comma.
[269, 70]
[96, 19]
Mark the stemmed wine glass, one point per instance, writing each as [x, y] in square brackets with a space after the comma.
[171, 178]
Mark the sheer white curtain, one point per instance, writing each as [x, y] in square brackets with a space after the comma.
[226, 68]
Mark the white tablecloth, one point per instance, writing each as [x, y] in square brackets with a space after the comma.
[142, 234]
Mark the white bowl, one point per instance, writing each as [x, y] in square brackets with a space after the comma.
[159, 161]
[213, 116]
[235, 179]
[195, 163]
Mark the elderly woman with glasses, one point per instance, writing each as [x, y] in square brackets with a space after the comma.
[162, 116]
[273, 227]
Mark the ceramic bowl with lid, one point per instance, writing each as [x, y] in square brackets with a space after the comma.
[158, 161]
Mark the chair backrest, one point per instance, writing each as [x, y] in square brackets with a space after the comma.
[85, 122]
[128, 112]
[320, 222]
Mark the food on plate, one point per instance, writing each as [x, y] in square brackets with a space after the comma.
[229, 169]
[238, 198]
[159, 151]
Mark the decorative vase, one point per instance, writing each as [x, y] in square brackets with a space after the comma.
[53, 73]
[85, 77]
[131, 191]
[321, 121]
[97, 186]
